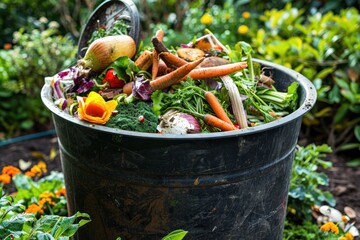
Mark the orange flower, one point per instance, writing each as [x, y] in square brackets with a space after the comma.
[34, 208]
[5, 179]
[246, 15]
[95, 109]
[61, 192]
[7, 46]
[37, 170]
[11, 170]
[30, 174]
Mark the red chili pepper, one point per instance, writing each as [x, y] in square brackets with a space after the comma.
[112, 79]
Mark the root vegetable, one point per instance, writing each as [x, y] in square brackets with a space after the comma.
[103, 51]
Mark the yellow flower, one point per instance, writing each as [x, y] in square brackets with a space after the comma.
[246, 15]
[348, 236]
[227, 16]
[37, 170]
[330, 227]
[243, 29]
[206, 19]
[46, 197]
[95, 109]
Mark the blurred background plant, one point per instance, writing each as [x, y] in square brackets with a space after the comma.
[24, 63]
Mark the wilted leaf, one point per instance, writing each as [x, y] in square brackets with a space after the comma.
[53, 154]
[39, 155]
[23, 165]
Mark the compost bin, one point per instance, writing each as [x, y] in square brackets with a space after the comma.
[225, 185]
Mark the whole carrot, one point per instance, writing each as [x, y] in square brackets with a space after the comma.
[217, 107]
[155, 60]
[217, 122]
[222, 70]
[174, 76]
[155, 65]
[172, 59]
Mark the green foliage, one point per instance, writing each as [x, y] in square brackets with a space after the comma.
[308, 230]
[306, 181]
[18, 220]
[324, 48]
[37, 54]
[175, 235]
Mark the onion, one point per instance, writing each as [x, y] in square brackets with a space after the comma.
[174, 122]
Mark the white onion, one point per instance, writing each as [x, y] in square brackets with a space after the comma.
[174, 122]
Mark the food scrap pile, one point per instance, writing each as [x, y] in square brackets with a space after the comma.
[198, 87]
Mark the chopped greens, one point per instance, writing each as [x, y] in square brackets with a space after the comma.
[244, 95]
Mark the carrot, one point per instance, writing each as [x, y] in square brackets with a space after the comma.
[144, 60]
[210, 72]
[159, 34]
[217, 122]
[155, 59]
[155, 64]
[174, 76]
[163, 69]
[127, 88]
[217, 107]
[172, 59]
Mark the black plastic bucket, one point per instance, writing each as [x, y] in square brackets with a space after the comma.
[228, 185]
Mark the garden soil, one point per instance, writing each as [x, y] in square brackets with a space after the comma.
[344, 182]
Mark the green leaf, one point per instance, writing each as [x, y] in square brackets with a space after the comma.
[334, 95]
[353, 163]
[175, 235]
[341, 113]
[324, 73]
[22, 182]
[357, 132]
[342, 83]
[27, 124]
[246, 47]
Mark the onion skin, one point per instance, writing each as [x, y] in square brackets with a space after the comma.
[103, 51]
[173, 122]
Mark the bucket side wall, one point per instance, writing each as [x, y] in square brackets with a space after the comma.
[215, 189]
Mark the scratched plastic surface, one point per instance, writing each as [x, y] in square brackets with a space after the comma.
[231, 185]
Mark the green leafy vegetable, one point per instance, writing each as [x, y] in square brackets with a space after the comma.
[134, 116]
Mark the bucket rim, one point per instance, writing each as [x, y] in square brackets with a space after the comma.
[308, 102]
